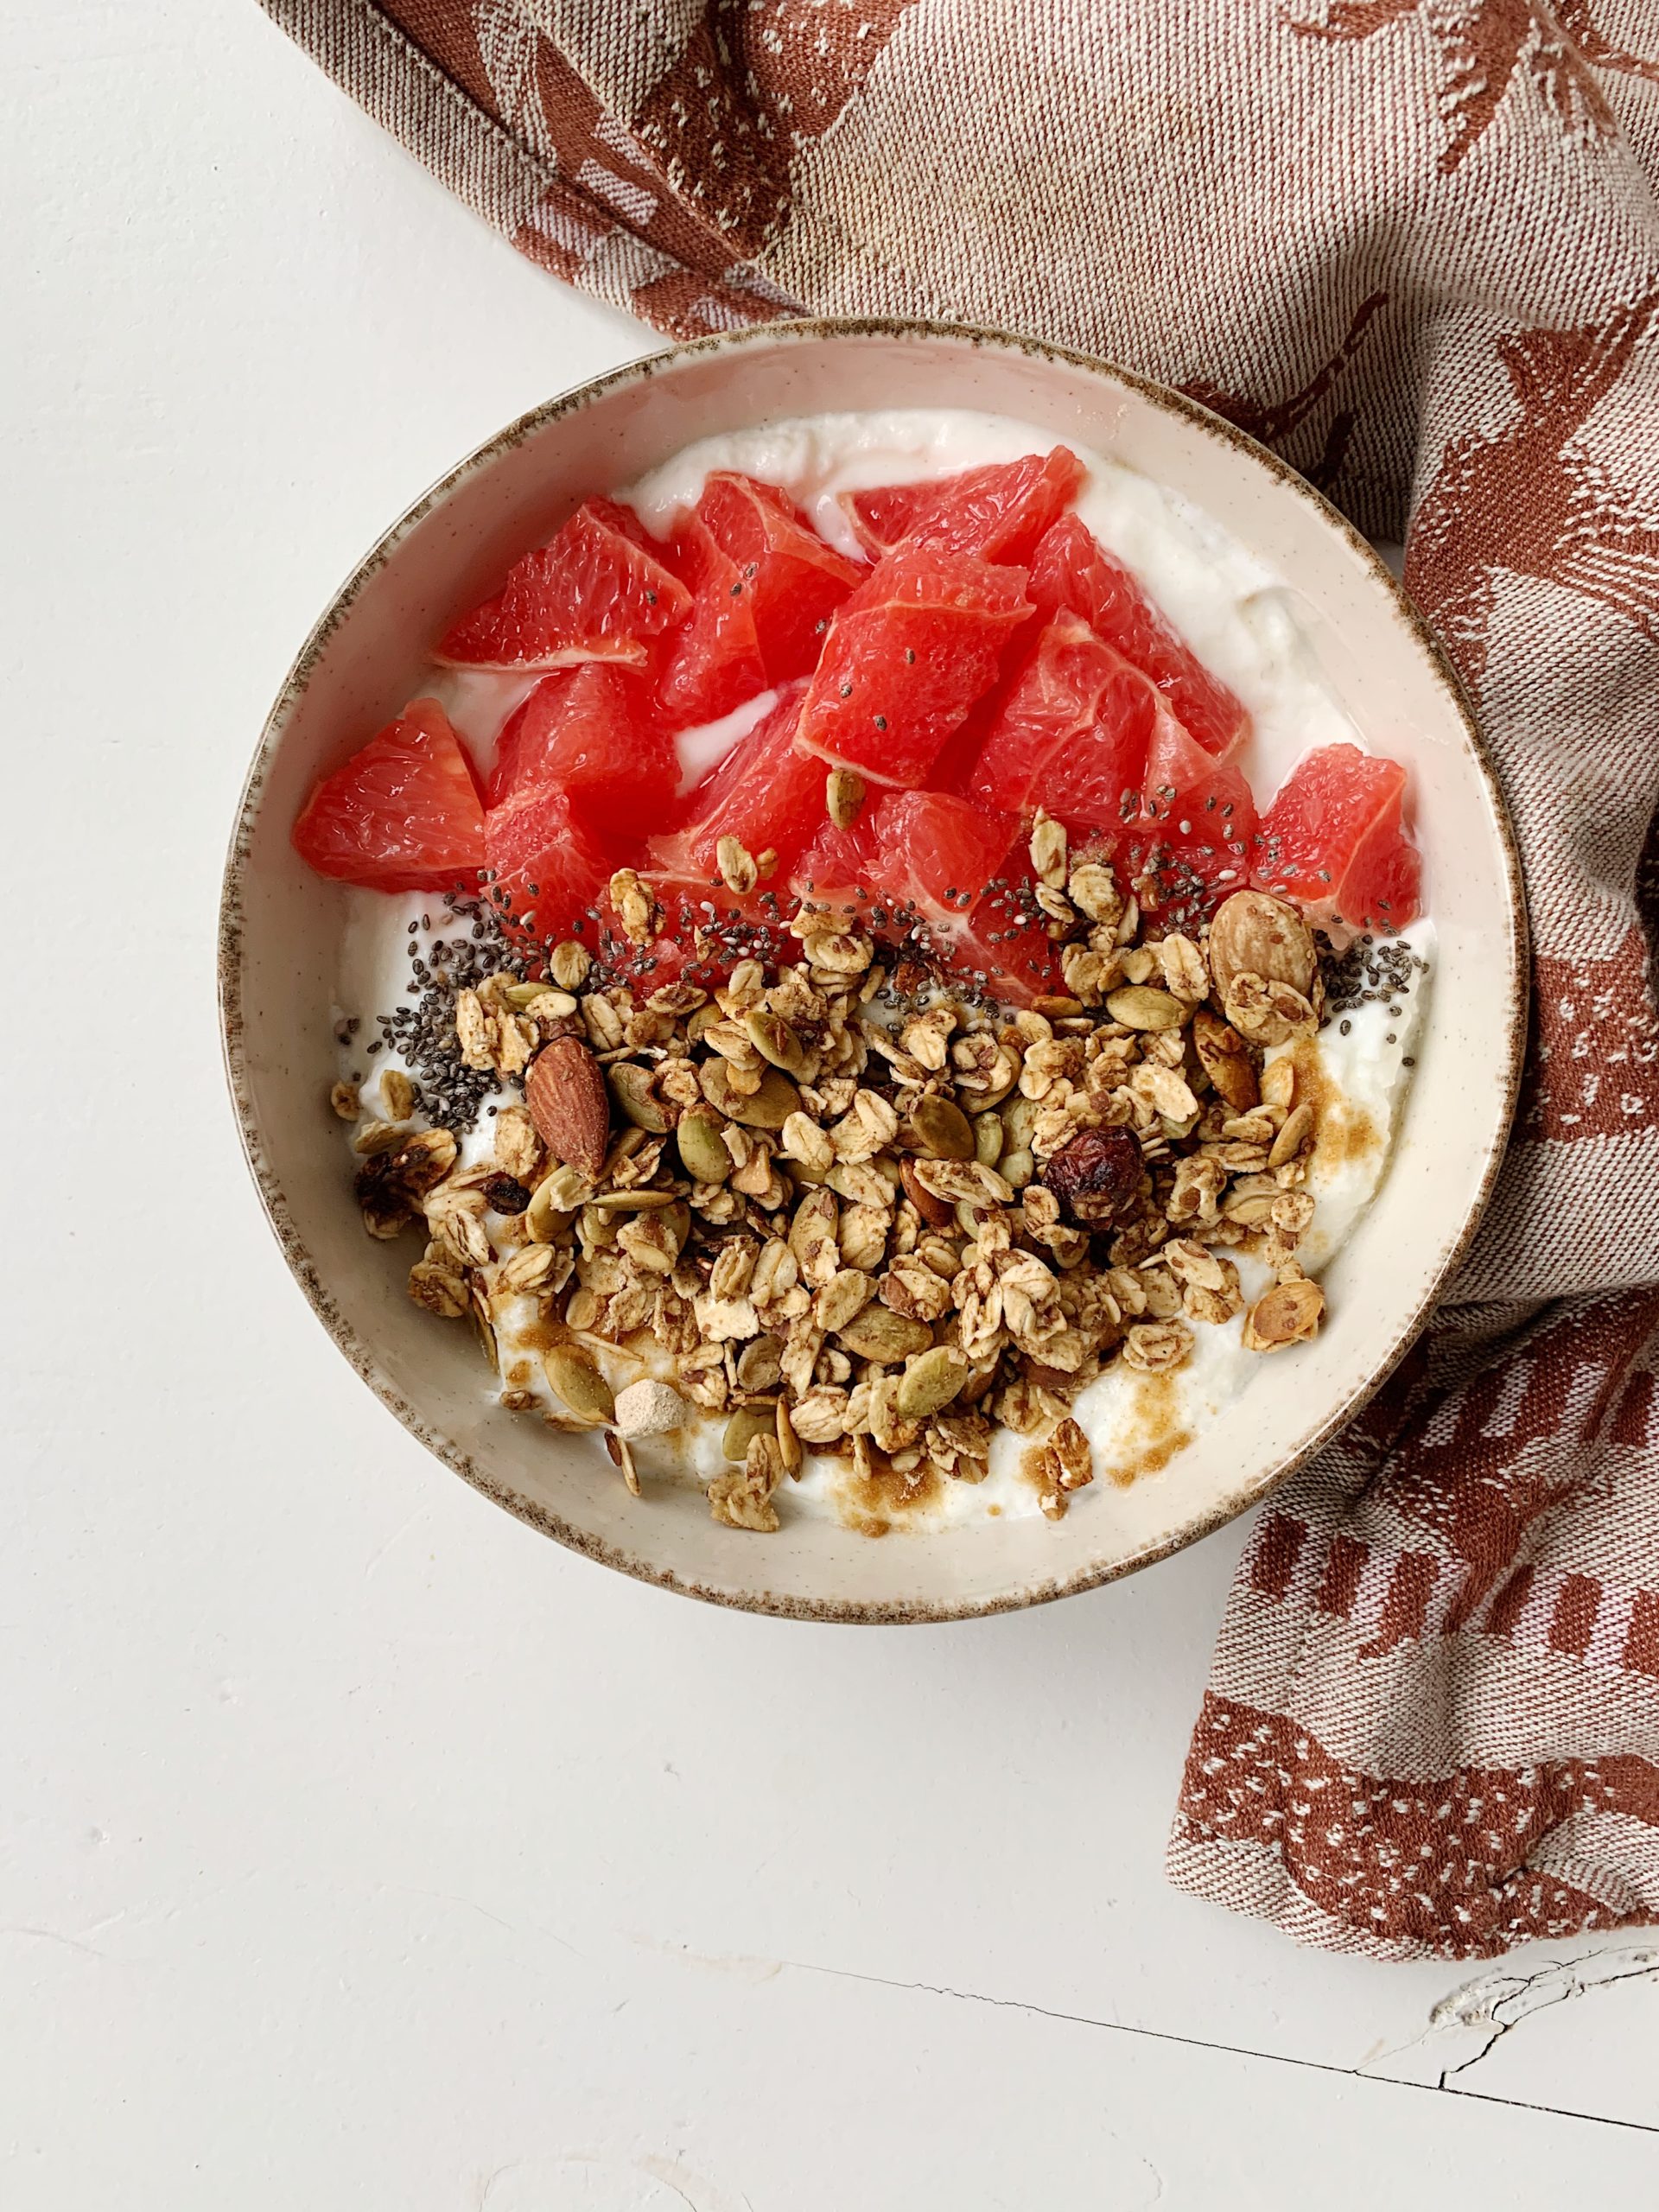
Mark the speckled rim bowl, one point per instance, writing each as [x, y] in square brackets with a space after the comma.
[280, 930]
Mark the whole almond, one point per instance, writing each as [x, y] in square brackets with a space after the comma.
[938, 1126]
[878, 1333]
[568, 1101]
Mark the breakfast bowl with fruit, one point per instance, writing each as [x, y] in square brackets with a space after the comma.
[872, 931]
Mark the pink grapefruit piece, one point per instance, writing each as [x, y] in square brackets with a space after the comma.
[404, 814]
[907, 656]
[793, 581]
[1189, 840]
[592, 731]
[713, 662]
[1071, 731]
[998, 512]
[1070, 569]
[597, 591]
[547, 868]
[703, 929]
[1335, 841]
[764, 793]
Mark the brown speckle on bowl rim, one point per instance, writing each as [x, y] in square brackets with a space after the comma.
[234, 1031]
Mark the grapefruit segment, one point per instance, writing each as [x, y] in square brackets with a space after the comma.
[704, 931]
[712, 663]
[591, 730]
[838, 866]
[1071, 731]
[599, 590]
[793, 581]
[547, 868]
[998, 512]
[1072, 570]
[402, 815]
[907, 656]
[1189, 840]
[764, 793]
[763, 585]
[1335, 841]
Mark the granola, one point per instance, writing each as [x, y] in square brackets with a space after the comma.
[838, 1217]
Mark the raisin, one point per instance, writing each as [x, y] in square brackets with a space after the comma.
[1097, 1176]
[506, 1194]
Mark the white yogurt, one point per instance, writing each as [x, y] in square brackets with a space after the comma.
[1239, 618]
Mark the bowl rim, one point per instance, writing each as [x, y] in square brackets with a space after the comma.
[234, 1027]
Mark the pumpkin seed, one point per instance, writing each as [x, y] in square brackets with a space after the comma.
[1019, 1119]
[931, 1381]
[522, 996]
[1142, 1006]
[544, 1218]
[770, 1107]
[630, 1087]
[745, 1425]
[941, 1128]
[774, 1039]
[632, 1201]
[580, 1384]
[789, 1445]
[881, 1334]
[702, 1149]
[987, 1139]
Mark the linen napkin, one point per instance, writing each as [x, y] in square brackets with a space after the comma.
[1413, 245]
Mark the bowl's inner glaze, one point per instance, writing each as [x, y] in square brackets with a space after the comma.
[282, 929]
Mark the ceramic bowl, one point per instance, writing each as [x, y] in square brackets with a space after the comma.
[280, 928]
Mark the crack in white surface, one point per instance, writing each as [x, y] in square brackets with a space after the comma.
[1496, 2002]
[53, 1935]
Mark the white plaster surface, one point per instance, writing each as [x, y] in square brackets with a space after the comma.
[357, 1848]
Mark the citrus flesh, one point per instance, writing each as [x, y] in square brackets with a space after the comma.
[404, 814]
[597, 591]
[1335, 841]
[994, 664]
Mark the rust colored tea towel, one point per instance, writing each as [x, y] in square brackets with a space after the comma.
[1414, 245]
